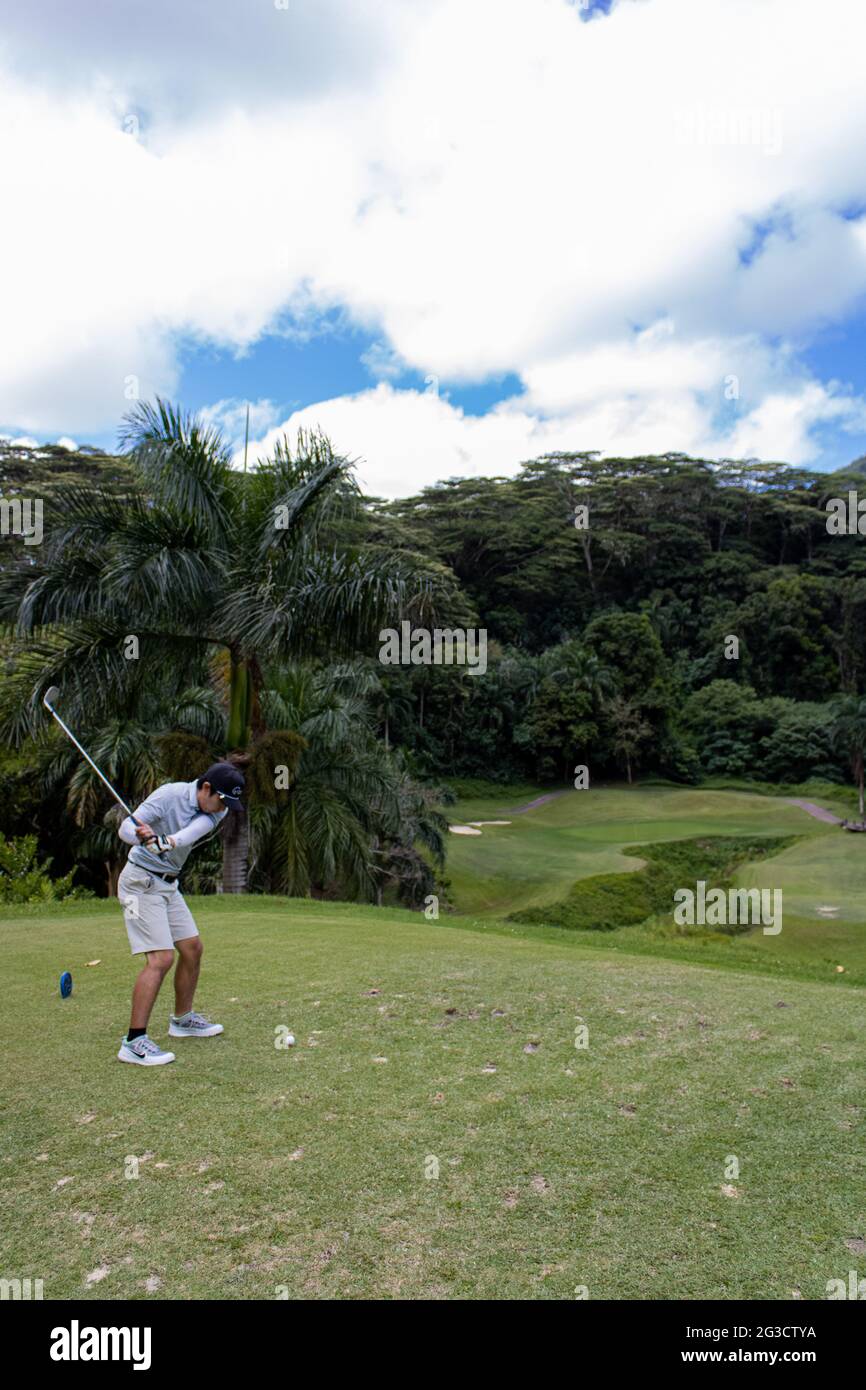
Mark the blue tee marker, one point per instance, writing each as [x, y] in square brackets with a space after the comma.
[65, 985]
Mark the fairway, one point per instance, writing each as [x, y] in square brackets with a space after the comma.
[436, 1133]
[538, 857]
[534, 861]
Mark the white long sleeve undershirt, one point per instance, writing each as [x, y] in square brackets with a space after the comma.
[198, 827]
[126, 831]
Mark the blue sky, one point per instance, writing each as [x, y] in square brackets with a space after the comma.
[330, 363]
[298, 374]
[460, 237]
[294, 375]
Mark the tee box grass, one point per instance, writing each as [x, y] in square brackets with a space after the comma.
[444, 1127]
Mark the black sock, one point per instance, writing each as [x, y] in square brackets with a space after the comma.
[135, 1033]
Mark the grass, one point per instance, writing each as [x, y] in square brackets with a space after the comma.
[547, 865]
[582, 833]
[436, 1133]
[606, 902]
[262, 1169]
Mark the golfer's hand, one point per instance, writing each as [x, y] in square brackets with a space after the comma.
[144, 832]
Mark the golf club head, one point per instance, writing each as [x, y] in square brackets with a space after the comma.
[50, 696]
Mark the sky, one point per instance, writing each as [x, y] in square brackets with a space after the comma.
[452, 234]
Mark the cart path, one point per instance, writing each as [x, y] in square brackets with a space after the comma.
[817, 811]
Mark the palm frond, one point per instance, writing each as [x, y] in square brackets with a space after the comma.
[197, 710]
[184, 463]
[335, 604]
[302, 491]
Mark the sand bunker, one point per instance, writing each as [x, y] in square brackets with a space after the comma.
[472, 827]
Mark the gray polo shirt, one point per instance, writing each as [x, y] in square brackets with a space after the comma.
[172, 809]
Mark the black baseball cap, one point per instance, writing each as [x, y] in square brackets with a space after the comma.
[227, 781]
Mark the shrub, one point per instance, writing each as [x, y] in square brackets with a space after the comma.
[23, 879]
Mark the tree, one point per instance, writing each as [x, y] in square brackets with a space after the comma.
[25, 879]
[786, 630]
[199, 563]
[800, 745]
[848, 732]
[626, 645]
[629, 730]
[723, 719]
[562, 719]
[347, 818]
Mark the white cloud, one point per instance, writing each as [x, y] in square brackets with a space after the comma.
[402, 441]
[488, 187]
[171, 60]
[23, 441]
[382, 362]
[780, 427]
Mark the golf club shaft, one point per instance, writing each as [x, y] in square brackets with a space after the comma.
[84, 753]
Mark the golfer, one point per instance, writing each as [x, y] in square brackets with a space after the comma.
[172, 819]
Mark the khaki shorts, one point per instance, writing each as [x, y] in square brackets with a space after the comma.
[154, 911]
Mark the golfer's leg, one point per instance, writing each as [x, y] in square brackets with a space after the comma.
[184, 1023]
[147, 926]
[184, 935]
[189, 953]
[146, 988]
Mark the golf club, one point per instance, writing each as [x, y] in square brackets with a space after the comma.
[48, 699]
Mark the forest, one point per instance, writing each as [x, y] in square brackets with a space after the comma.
[661, 617]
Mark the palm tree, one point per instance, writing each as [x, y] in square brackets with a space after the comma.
[848, 732]
[394, 701]
[199, 563]
[579, 667]
[332, 820]
[411, 837]
[348, 816]
[570, 685]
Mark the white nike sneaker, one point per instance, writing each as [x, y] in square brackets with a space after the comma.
[195, 1026]
[143, 1052]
